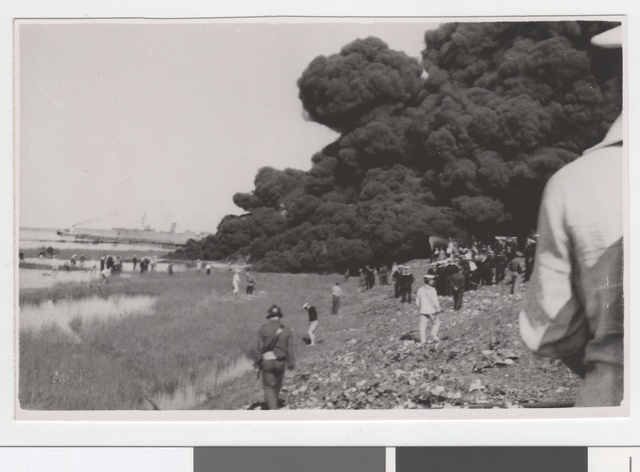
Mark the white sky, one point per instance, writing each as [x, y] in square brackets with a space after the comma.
[169, 117]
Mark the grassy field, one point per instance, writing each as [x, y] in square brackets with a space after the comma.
[172, 358]
[156, 341]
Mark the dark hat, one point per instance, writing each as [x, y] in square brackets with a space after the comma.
[274, 312]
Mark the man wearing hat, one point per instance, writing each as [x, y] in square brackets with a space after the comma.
[429, 307]
[275, 345]
[574, 309]
[313, 322]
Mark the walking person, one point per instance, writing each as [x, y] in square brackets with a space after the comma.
[251, 282]
[574, 309]
[457, 282]
[515, 269]
[275, 347]
[313, 322]
[336, 295]
[428, 309]
[236, 282]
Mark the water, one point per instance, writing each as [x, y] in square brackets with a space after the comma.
[35, 238]
[191, 395]
[62, 312]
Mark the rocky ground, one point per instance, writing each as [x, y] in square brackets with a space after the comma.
[369, 357]
[479, 363]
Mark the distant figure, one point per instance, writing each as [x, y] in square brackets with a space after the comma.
[198, 265]
[395, 276]
[72, 261]
[109, 263]
[170, 268]
[457, 287]
[362, 280]
[515, 269]
[82, 260]
[406, 283]
[336, 295]
[313, 322]
[208, 268]
[21, 256]
[275, 346]
[105, 273]
[529, 258]
[383, 275]
[251, 282]
[428, 308]
[103, 261]
[236, 282]
[135, 262]
[346, 275]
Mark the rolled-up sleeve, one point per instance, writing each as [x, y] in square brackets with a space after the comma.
[552, 323]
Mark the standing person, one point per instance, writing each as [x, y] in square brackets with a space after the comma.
[428, 309]
[515, 269]
[170, 268]
[383, 275]
[406, 283]
[251, 282]
[346, 275]
[336, 295]
[275, 346]
[103, 260]
[207, 267]
[135, 262]
[500, 262]
[529, 257]
[574, 309]
[457, 282]
[362, 280]
[313, 322]
[236, 282]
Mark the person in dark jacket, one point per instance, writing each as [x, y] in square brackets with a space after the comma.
[406, 283]
[457, 281]
[275, 346]
[313, 322]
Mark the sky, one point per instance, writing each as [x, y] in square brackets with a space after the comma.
[168, 119]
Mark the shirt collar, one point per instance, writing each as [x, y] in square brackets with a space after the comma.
[614, 136]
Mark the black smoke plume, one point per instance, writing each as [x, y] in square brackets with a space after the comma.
[461, 151]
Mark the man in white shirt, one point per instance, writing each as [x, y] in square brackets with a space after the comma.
[429, 307]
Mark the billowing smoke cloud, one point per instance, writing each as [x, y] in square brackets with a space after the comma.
[464, 150]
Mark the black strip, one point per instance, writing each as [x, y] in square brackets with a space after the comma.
[491, 459]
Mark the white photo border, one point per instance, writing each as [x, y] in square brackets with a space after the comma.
[195, 429]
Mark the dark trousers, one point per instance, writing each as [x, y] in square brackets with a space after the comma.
[396, 287]
[249, 289]
[335, 306]
[272, 377]
[457, 298]
[405, 292]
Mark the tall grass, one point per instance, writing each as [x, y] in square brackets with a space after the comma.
[198, 336]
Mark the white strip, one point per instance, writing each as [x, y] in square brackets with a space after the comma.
[390, 459]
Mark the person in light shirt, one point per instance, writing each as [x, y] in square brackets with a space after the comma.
[574, 309]
[429, 308]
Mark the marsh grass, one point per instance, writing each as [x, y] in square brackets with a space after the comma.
[196, 339]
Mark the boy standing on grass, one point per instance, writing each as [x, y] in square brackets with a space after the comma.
[336, 294]
[313, 322]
